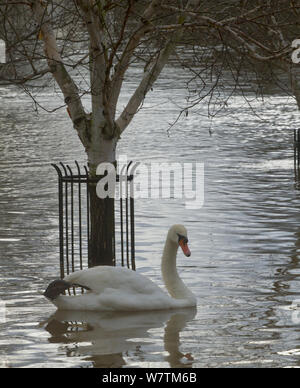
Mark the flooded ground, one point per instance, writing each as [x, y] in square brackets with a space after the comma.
[245, 240]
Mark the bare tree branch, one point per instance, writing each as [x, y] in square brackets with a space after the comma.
[62, 77]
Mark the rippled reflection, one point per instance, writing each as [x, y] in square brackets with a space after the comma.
[105, 339]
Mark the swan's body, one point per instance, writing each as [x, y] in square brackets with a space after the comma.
[121, 289]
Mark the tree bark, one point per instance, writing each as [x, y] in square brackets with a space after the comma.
[102, 232]
[102, 211]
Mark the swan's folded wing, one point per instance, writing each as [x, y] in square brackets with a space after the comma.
[101, 278]
[96, 278]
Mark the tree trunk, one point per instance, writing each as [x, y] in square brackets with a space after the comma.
[102, 232]
[102, 211]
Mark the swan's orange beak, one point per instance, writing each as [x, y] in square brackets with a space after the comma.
[185, 248]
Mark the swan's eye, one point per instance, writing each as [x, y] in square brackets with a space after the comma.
[182, 239]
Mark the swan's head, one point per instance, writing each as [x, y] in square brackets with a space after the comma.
[178, 234]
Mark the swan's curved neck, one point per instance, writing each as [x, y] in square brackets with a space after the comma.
[177, 289]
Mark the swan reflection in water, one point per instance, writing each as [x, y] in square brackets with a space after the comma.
[106, 338]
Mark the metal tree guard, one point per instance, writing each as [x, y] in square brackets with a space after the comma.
[74, 218]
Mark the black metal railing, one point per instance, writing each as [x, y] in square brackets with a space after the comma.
[74, 218]
[297, 156]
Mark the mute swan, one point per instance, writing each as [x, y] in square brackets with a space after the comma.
[121, 289]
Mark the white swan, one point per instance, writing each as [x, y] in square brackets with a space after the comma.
[121, 289]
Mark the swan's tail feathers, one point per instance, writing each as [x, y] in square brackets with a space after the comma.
[58, 287]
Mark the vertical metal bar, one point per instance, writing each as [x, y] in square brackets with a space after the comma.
[88, 212]
[127, 215]
[79, 215]
[114, 234]
[132, 231]
[296, 151]
[295, 148]
[122, 232]
[132, 223]
[121, 181]
[80, 218]
[72, 218]
[66, 218]
[298, 147]
[72, 223]
[61, 221]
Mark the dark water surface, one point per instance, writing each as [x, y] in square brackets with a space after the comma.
[245, 241]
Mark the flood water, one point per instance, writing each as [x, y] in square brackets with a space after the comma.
[245, 240]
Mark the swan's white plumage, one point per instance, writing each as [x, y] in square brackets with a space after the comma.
[121, 289]
[117, 289]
